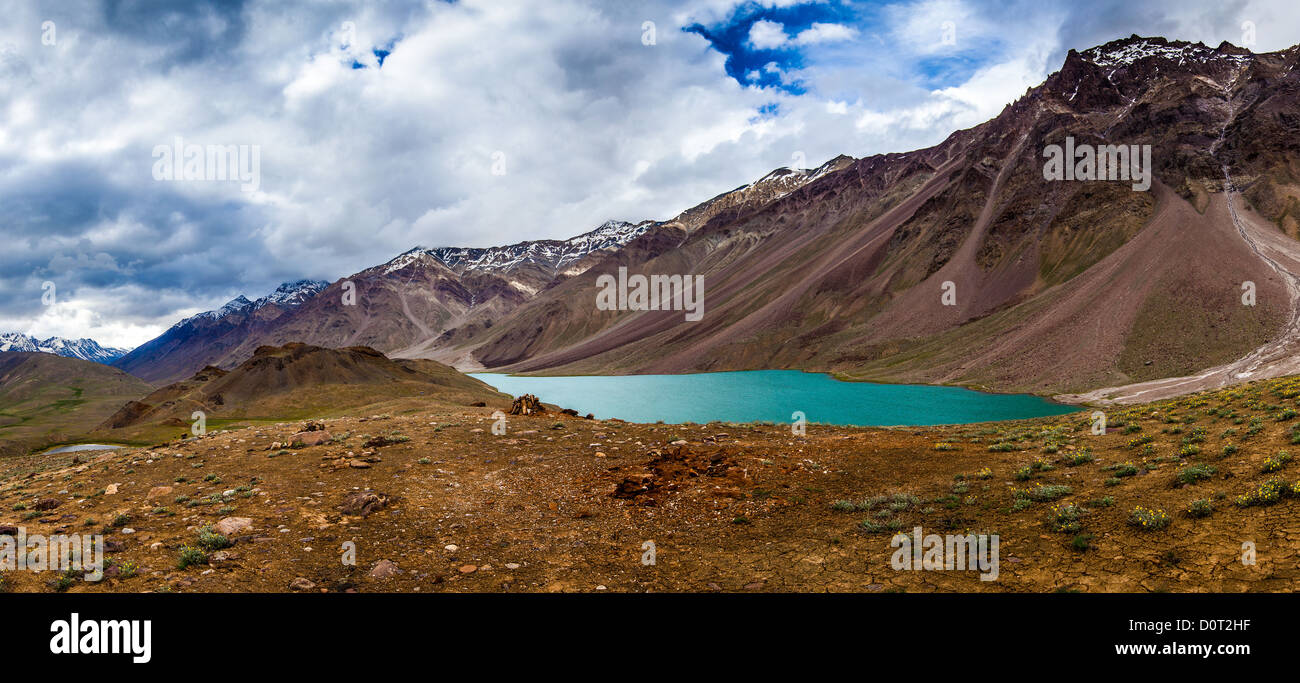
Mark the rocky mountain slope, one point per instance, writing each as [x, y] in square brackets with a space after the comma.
[421, 302]
[198, 338]
[294, 381]
[1057, 286]
[959, 263]
[84, 349]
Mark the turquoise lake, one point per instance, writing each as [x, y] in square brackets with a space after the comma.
[774, 396]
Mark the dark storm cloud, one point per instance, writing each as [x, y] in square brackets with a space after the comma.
[185, 31]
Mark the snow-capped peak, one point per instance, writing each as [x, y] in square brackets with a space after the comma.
[1126, 52]
[293, 293]
[550, 254]
[85, 349]
[287, 295]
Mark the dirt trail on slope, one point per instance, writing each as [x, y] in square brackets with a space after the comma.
[1277, 357]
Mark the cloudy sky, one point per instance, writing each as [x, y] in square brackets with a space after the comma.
[384, 125]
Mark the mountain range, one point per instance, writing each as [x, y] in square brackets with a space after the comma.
[85, 349]
[1055, 286]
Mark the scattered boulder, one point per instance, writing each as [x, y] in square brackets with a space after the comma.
[229, 526]
[309, 438]
[313, 427]
[526, 405]
[46, 504]
[570, 411]
[669, 469]
[363, 503]
[302, 584]
[384, 569]
[634, 485]
[111, 489]
[222, 556]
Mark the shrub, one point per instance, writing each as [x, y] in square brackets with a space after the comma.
[1194, 473]
[211, 540]
[1266, 493]
[1149, 519]
[1064, 518]
[1201, 507]
[1044, 492]
[1077, 458]
[1276, 462]
[1124, 469]
[190, 557]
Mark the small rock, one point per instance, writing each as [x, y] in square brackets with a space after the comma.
[312, 438]
[110, 489]
[363, 503]
[302, 584]
[229, 526]
[158, 492]
[451, 547]
[384, 569]
[468, 569]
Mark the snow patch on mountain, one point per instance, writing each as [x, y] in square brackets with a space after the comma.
[1126, 53]
[287, 295]
[85, 349]
[553, 255]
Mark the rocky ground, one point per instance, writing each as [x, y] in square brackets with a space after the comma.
[437, 502]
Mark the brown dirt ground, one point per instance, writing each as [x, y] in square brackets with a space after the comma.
[736, 508]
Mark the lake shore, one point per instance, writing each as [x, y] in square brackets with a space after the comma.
[437, 502]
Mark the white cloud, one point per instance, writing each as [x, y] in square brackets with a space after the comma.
[767, 35]
[361, 164]
[824, 33]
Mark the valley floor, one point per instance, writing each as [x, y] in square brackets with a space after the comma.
[563, 504]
